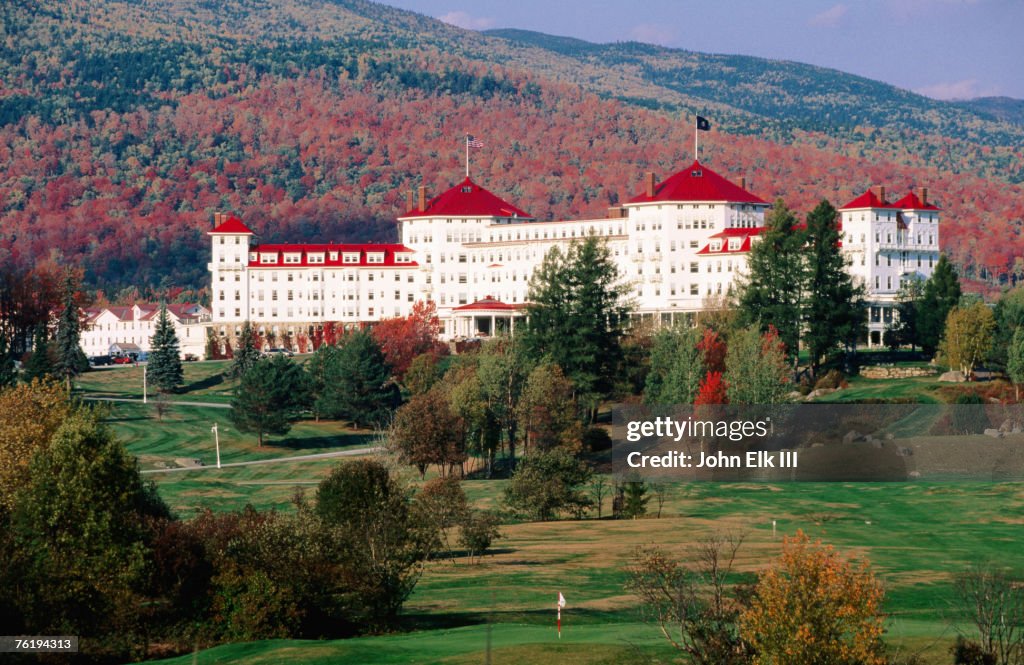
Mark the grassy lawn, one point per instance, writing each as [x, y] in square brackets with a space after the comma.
[203, 382]
[922, 390]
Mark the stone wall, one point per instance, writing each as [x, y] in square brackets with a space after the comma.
[884, 372]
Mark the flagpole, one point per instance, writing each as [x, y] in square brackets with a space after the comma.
[559, 606]
[696, 135]
[467, 155]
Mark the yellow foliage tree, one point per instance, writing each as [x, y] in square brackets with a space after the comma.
[29, 415]
[812, 607]
[968, 337]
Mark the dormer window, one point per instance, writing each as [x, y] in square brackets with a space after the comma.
[716, 246]
[734, 243]
[375, 257]
[467, 189]
[350, 257]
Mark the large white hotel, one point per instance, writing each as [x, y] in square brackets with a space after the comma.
[680, 243]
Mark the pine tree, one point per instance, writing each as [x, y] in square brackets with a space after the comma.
[578, 315]
[8, 372]
[941, 294]
[904, 328]
[771, 293]
[269, 397]
[164, 369]
[834, 313]
[247, 354]
[70, 359]
[359, 384]
[39, 364]
[634, 499]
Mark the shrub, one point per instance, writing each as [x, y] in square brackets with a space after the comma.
[596, 439]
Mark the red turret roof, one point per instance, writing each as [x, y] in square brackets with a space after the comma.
[912, 202]
[467, 199]
[867, 200]
[698, 183]
[233, 225]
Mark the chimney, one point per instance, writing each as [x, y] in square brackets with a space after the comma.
[880, 191]
[649, 183]
[743, 182]
[216, 219]
[408, 200]
[923, 196]
[422, 198]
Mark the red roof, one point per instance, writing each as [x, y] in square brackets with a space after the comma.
[744, 246]
[488, 304]
[467, 199]
[912, 202]
[698, 183]
[389, 251]
[867, 200]
[233, 225]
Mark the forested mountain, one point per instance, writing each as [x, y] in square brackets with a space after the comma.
[124, 124]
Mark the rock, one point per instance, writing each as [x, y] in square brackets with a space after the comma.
[851, 436]
[817, 445]
[876, 443]
[914, 474]
[953, 377]
[1007, 426]
[994, 433]
[794, 396]
[889, 436]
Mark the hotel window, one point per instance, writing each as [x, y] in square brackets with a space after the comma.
[694, 290]
[694, 267]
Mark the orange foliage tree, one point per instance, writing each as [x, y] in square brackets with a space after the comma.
[712, 390]
[403, 338]
[812, 606]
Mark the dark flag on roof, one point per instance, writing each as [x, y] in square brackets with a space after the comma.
[703, 124]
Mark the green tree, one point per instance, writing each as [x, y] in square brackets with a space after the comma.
[1009, 314]
[425, 432]
[1015, 360]
[8, 372]
[547, 483]
[79, 530]
[634, 499]
[578, 314]
[247, 354]
[502, 370]
[164, 367]
[967, 338]
[941, 294]
[771, 293]
[834, 314]
[904, 328]
[359, 385]
[40, 363]
[478, 531]
[318, 367]
[269, 398]
[382, 542]
[70, 359]
[756, 370]
[677, 367]
[548, 414]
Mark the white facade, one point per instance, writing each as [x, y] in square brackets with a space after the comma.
[135, 325]
[679, 244]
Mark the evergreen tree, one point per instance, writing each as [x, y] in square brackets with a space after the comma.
[269, 397]
[771, 294]
[904, 328]
[39, 364]
[247, 354]
[835, 315]
[1015, 360]
[941, 294]
[359, 385]
[164, 370]
[578, 315]
[8, 372]
[70, 359]
[634, 499]
[1009, 312]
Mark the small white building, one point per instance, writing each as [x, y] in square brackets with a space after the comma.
[133, 326]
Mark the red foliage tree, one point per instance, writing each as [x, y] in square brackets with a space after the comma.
[713, 347]
[330, 333]
[405, 337]
[712, 390]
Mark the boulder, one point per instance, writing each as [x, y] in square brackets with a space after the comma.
[851, 436]
[994, 433]
[953, 377]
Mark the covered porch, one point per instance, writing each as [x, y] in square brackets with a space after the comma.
[487, 318]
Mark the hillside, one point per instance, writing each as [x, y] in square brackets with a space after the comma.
[125, 124]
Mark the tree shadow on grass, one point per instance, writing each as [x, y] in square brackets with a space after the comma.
[322, 442]
[540, 616]
[203, 384]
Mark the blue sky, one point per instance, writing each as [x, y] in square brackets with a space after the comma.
[942, 48]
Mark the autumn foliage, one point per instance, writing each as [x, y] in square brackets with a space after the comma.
[712, 390]
[404, 337]
[812, 606]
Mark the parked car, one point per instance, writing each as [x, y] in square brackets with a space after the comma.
[190, 357]
[124, 360]
[100, 361]
[279, 352]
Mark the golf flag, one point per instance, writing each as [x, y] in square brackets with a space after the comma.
[561, 604]
[703, 124]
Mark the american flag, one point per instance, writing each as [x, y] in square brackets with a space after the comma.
[473, 142]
